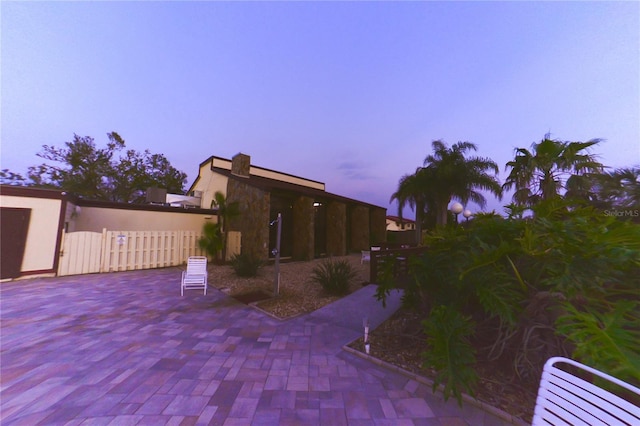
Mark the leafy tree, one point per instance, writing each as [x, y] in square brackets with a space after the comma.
[8, 177]
[544, 172]
[448, 173]
[138, 171]
[86, 170]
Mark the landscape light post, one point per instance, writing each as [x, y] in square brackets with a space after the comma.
[467, 214]
[276, 253]
[456, 208]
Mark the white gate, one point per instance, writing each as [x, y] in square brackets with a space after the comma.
[81, 253]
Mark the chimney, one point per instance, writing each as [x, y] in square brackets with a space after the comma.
[240, 164]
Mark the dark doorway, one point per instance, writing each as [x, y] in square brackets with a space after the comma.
[13, 240]
[284, 206]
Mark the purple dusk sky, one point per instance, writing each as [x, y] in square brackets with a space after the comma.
[350, 94]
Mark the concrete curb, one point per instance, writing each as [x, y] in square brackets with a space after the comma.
[421, 379]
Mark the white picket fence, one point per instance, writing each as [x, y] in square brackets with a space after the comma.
[111, 251]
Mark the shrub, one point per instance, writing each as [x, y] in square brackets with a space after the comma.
[245, 265]
[563, 282]
[334, 276]
[211, 241]
[450, 352]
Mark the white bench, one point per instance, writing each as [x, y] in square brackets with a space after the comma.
[565, 399]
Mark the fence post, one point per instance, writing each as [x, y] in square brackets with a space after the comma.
[373, 267]
[103, 250]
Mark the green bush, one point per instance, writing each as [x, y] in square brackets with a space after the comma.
[450, 353]
[334, 276]
[563, 282]
[211, 241]
[245, 265]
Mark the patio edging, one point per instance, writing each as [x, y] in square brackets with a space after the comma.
[503, 415]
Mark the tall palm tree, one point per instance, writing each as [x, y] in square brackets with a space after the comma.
[413, 190]
[542, 173]
[445, 175]
[459, 177]
[617, 189]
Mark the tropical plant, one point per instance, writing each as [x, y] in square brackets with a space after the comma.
[334, 276]
[447, 174]
[460, 177]
[542, 172]
[618, 189]
[245, 265]
[450, 353]
[226, 212]
[562, 282]
[412, 191]
[605, 339]
[211, 241]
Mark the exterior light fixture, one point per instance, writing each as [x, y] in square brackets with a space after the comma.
[467, 214]
[456, 208]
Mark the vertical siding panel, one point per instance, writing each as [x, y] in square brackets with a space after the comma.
[89, 252]
[181, 246]
[144, 251]
[177, 248]
[161, 249]
[106, 254]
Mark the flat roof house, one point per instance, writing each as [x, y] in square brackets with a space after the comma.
[394, 223]
[314, 222]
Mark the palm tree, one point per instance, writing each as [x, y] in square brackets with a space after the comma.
[457, 177]
[445, 175]
[226, 212]
[617, 189]
[542, 173]
[413, 190]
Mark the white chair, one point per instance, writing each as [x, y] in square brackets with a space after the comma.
[366, 256]
[564, 399]
[195, 277]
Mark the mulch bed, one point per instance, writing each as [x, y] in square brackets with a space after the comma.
[251, 297]
[400, 342]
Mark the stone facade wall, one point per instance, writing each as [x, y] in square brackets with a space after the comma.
[303, 229]
[360, 236]
[253, 221]
[336, 229]
[378, 225]
[241, 165]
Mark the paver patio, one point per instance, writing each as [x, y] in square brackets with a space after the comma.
[125, 349]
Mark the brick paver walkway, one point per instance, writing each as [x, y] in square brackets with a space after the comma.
[126, 349]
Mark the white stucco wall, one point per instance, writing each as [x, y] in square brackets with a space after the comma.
[40, 249]
[97, 218]
[209, 183]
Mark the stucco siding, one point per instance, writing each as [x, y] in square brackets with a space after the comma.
[42, 236]
[209, 183]
[97, 218]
